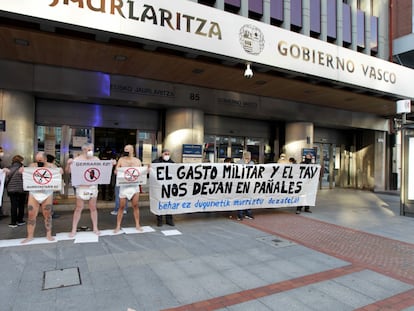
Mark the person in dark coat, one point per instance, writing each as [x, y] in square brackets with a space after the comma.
[18, 197]
[164, 158]
[308, 160]
[2, 215]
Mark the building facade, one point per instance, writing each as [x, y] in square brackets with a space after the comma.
[173, 74]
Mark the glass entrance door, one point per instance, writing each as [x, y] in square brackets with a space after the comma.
[217, 148]
[326, 158]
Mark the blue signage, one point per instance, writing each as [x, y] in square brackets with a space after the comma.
[192, 150]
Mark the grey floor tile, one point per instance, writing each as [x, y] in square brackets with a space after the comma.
[343, 294]
[187, 290]
[373, 284]
[243, 278]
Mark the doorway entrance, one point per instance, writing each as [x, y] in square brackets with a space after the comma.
[217, 148]
[114, 139]
[326, 157]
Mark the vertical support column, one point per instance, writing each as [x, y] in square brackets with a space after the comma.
[324, 20]
[305, 18]
[382, 11]
[244, 8]
[18, 109]
[219, 4]
[286, 15]
[299, 135]
[352, 167]
[266, 12]
[380, 162]
[183, 126]
[354, 19]
[343, 170]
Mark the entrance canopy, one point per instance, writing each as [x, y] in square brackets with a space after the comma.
[186, 43]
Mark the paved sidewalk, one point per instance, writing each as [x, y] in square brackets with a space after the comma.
[354, 252]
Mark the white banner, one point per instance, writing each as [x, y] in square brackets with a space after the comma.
[131, 176]
[188, 188]
[91, 172]
[203, 28]
[42, 178]
[2, 181]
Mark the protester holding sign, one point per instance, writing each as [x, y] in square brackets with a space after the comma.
[247, 159]
[85, 192]
[206, 187]
[40, 179]
[307, 160]
[164, 158]
[128, 172]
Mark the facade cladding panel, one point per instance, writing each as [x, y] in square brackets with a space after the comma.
[374, 34]
[235, 3]
[296, 13]
[402, 18]
[315, 16]
[361, 29]
[331, 19]
[346, 24]
[276, 10]
[256, 6]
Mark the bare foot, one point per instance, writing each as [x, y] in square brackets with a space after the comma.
[97, 232]
[72, 234]
[50, 238]
[139, 228]
[26, 240]
[117, 230]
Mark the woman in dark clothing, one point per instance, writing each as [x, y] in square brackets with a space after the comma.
[18, 197]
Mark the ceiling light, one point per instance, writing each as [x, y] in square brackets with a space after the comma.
[22, 42]
[197, 70]
[248, 73]
[120, 58]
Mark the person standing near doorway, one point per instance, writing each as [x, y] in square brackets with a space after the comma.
[14, 186]
[128, 192]
[247, 213]
[164, 158]
[307, 160]
[2, 215]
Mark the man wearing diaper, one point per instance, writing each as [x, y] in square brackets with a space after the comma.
[85, 192]
[39, 199]
[128, 192]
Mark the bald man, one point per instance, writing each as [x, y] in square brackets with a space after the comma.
[39, 199]
[128, 192]
[84, 193]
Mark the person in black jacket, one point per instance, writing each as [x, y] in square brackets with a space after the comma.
[308, 160]
[164, 158]
[2, 215]
[14, 186]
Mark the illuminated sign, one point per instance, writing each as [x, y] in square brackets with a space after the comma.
[189, 25]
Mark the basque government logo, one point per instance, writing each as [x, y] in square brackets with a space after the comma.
[251, 39]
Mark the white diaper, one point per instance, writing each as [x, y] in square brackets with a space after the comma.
[87, 192]
[40, 195]
[128, 191]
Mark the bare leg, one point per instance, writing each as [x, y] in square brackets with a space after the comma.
[47, 215]
[76, 216]
[120, 215]
[136, 211]
[94, 215]
[32, 211]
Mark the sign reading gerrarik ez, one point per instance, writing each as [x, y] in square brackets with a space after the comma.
[188, 188]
